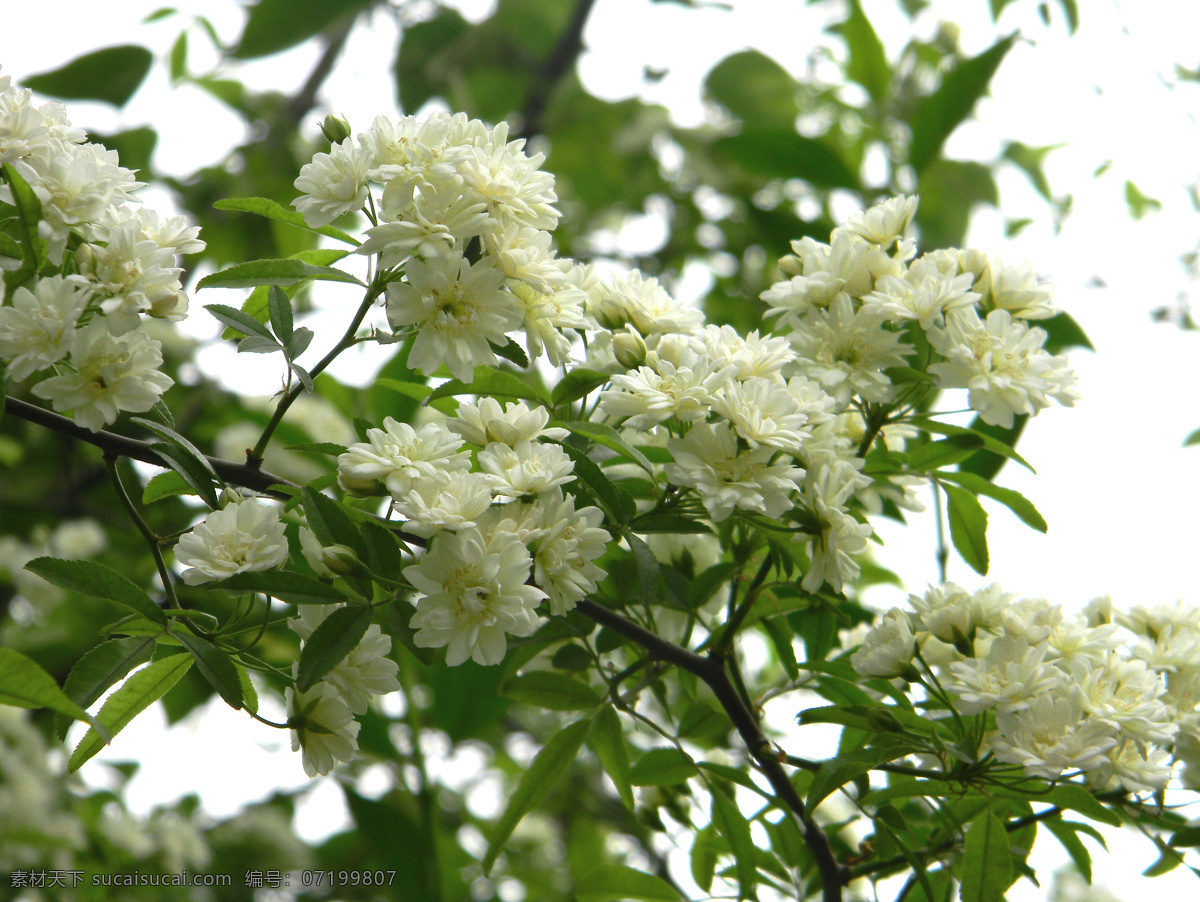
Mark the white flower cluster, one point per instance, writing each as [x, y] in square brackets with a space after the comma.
[845, 306]
[1067, 695]
[467, 213]
[116, 263]
[491, 530]
[323, 716]
[241, 537]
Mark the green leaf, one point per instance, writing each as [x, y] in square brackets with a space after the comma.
[837, 772]
[575, 385]
[111, 75]
[662, 767]
[649, 570]
[703, 863]
[97, 580]
[989, 443]
[1067, 834]
[944, 452]
[249, 693]
[555, 691]
[297, 345]
[512, 352]
[256, 344]
[609, 438]
[420, 72]
[285, 271]
[200, 463]
[195, 472]
[867, 65]
[968, 527]
[986, 866]
[286, 585]
[732, 825]
[25, 684]
[240, 321]
[29, 214]
[279, 307]
[1010, 498]
[1063, 333]
[275, 25]
[383, 554]
[489, 381]
[607, 740]
[101, 667]
[330, 642]
[136, 694]
[754, 88]
[1078, 798]
[617, 882]
[332, 526]
[620, 506]
[546, 768]
[1139, 204]
[939, 114]
[177, 61]
[165, 485]
[215, 666]
[261, 206]
[781, 153]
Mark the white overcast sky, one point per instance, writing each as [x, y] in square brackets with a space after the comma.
[1120, 494]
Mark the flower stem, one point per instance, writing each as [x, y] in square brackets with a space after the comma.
[110, 463]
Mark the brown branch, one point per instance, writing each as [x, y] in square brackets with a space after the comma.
[561, 59]
[114, 445]
[711, 670]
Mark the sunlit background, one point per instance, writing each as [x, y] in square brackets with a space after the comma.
[1119, 490]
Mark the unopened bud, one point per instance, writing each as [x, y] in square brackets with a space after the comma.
[342, 560]
[335, 128]
[630, 349]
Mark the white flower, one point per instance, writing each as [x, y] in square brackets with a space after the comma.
[323, 725]
[1050, 735]
[675, 382]
[753, 355]
[242, 536]
[37, 327]
[484, 421]
[846, 351]
[923, 294]
[764, 412]
[1127, 695]
[525, 468]
[709, 460]
[1134, 769]
[952, 614]
[365, 672]
[112, 374]
[457, 308]
[883, 223]
[517, 193]
[564, 551]
[639, 301]
[474, 594]
[398, 455]
[332, 184]
[453, 502]
[1011, 287]
[434, 224]
[839, 536]
[1009, 678]
[1002, 364]
[887, 650]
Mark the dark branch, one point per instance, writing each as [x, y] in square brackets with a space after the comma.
[114, 445]
[561, 59]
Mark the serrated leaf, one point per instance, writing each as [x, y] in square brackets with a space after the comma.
[101, 667]
[256, 344]
[240, 321]
[1078, 798]
[944, 452]
[170, 435]
[491, 382]
[648, 569]
[164, 485]
[215, 666]
[97, 580]
[617, 882]
[607, 740]
[285, 271]
[261, 206]
[1010, 498]
[134, 696]
[512, 352]
[110, 75]
[989, 443]
[939, 114]
[25, 684]
[298, 343]
[286, 585]
[609, 438]
[546, 768]
[330, 642]
[986, 867]
[383, 554]
[662, 767]
[554, 691]
[732, 824]
[968, 527]
[249, 693]
[577, 384]
[620, 506]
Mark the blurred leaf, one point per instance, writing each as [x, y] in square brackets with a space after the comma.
[867, 65]
[111, 75]
[607, 740]
[1010, 498]
[177, 60]
[1063, 333]
[134, 146]
[275, 25]
[554, 691]
[754, 88]
[285, 271]
[662, 767]
[134, 696]
[986, 867]
[25, 684]
[950, 190]
[617, 882]
[939, 114]
[1066, 832]
[335, 637]
[782, 153]
[97, 580]
[269, 209]
[286, 585]
[734, 827]
[968, 527]
[1139, 204]
[942, 453]
[1030, 160]
[546, 768]
[422, 63]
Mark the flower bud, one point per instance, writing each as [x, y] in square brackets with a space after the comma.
[630, 349]
[335, 128]
[342, 560]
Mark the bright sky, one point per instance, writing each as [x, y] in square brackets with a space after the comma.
[1113, 482]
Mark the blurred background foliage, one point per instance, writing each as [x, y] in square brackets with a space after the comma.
[775, 159]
